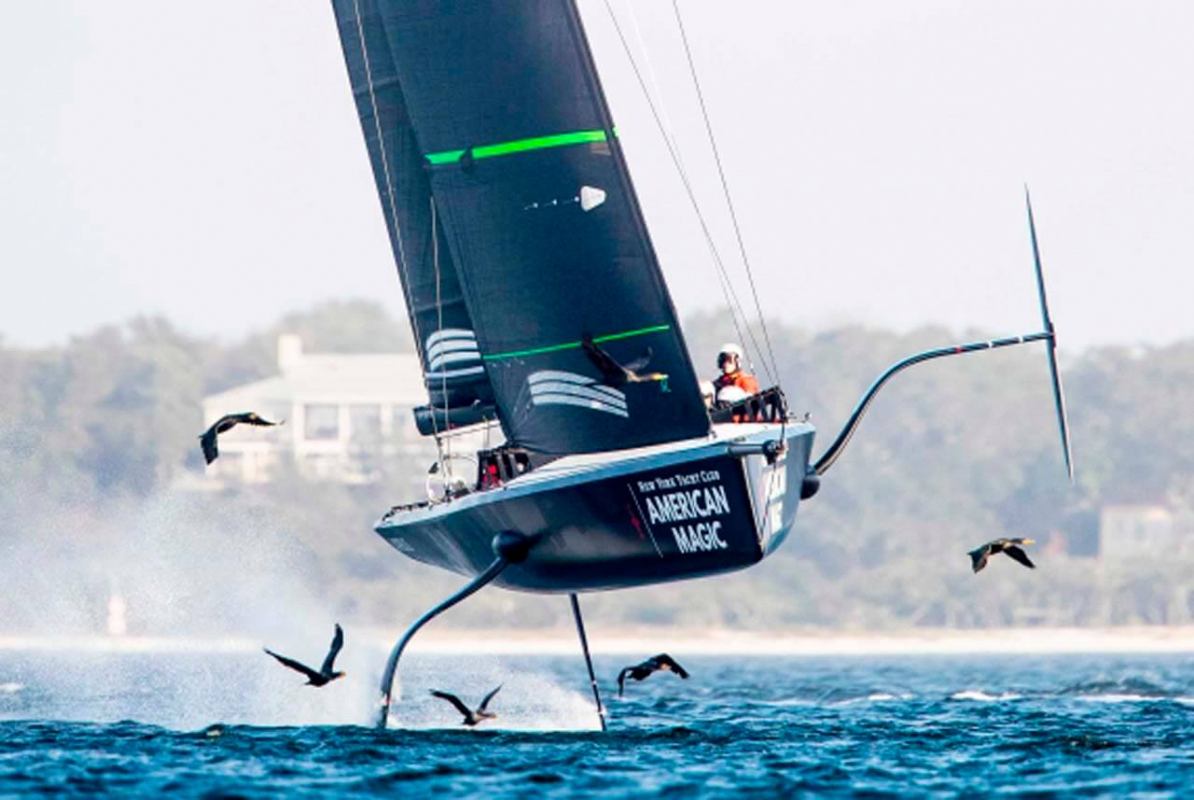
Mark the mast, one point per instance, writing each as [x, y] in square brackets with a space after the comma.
[541, 224]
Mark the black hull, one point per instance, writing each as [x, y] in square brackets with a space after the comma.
[640, 517]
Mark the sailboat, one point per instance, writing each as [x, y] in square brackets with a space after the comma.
[538, 305]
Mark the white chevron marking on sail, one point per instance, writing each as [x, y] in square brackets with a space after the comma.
[571, 400]
[463, 357]
[451, 346]
[449, 333]
[557, 375]
[554, 380]
[555, 387]
[454, 373]
[602, 394]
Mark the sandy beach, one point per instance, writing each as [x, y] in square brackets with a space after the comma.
[1142, 639]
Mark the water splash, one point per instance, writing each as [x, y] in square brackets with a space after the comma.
[529, 700]
[174, 578]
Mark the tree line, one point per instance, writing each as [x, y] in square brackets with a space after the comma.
[95, 433]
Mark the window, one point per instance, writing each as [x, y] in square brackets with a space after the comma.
[364, 423]
[321, 421]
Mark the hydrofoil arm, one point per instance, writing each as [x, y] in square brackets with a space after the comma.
[843, 438]
[1047, 335]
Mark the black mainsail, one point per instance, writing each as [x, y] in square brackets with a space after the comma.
[537, 211]
[455, 378]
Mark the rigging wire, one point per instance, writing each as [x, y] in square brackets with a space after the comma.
[385, 161]
[439, 326]
[642, 46]
[667, 131]
[393, 209]
[725, 187]
[727, 286]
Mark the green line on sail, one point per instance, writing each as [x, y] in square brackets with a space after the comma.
[519, 146]
[552, 348]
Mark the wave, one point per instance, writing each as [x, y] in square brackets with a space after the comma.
[982, 697]
[828, 700]
[787, 702]
[12, 687]
[874, 697]
[1113, 697]
[1121, 687]
[879, 697]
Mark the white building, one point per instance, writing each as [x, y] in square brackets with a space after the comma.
[1127, 532]
[343, 413]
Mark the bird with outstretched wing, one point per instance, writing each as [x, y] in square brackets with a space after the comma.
[326, 673]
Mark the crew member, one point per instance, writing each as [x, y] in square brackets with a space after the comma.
[729, 363]
[734, 384]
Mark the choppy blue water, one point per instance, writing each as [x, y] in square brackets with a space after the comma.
[909, 725]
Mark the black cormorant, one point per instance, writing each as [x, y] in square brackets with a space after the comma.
[614, 374]
[326, 673]
[1009, 547]
[654, 664]
[226, 423]
[471, 717]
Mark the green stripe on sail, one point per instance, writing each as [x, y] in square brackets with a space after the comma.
[552, 348]
[519, 146]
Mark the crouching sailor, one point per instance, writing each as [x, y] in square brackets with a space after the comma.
[734, 384]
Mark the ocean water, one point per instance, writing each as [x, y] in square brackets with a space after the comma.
[236, 724]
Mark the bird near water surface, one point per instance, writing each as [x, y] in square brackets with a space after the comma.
[207, 439]
[471, 716]
[1009, 547]
[326, 673]
[649, 667]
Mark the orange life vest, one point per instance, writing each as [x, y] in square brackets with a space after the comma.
[742, 379]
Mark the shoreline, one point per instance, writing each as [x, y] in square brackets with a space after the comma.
[1125, 640]
[1141, 639]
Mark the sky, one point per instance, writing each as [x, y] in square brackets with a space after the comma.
[204, 161]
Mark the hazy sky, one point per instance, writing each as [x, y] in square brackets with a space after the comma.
[204, 161]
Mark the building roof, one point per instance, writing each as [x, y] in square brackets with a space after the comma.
[336, 377]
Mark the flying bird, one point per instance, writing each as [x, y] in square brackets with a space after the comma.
[652, 665]
[326, 673]
[614, 374]
[226, 423]
[471, 717]
[1009, 547]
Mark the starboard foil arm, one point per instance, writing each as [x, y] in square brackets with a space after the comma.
[1048, 335]
[510, 547]
[387, 679]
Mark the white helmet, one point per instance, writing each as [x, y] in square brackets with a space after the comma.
[729, 358]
